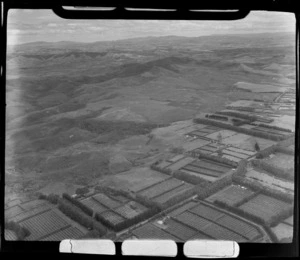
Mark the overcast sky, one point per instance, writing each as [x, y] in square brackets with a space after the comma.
[44, 25]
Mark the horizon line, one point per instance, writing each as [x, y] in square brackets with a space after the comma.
[151, 36]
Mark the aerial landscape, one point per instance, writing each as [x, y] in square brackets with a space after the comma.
[166, 137]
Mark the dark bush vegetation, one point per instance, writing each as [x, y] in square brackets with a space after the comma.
[217, 117]
[249, 118]
[157, 168]
[276, 128]
[217, 159]
[238, 122]
[52, 198]
[193, 179]
[248, 109]
[21, 232]
[78, 204]
[211, 188]
[82, 191]
[79, 216]
[126, 223]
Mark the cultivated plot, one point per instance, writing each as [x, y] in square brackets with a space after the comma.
[231, 195]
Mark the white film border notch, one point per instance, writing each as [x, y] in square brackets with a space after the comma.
[155, 247]
[89, 246]
[211, 249]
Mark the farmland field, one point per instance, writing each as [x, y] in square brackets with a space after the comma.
[212, 165]
[224, 134]
[112, 217]
[94, 205]
[221, 233]
[207, 212]
[151, 231]
[240, 227]
[161, 188]
[106, 201]
[176, 158]
[270, 131]
[202, 170]
[206, 167]
[165, 197]
[238, 154]
[179, 230]
[269, 180]
[43, 224]
[194, 144]
[13, 211]
[136, 179]
[193, 220]
[33, 204]
[182, 208]
[231, 195]
[247, 142]
[10, 235]
[281, 160]
[283, 230]
[264, 206]
[181, 163]
[203, 176]
[67, 233]
[130, 210]
[200, 220]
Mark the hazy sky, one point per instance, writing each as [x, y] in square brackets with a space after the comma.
[44, 25]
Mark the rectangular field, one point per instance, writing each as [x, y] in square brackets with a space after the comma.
[193, 221]
[179, 164]
[207, 212]
[223, 133]
[182, 208]
[207, 167]
[222, 233]
[94, 205]
[130, 210]
[194, 144]
[161, 188]
[106, 201]
[175, 158]
[43, 224]
[264, 206]
[240, 227]
[165, 197]
[237, 154]
[150, 231]
[269, 180]
[32, 204]
[211, 165]
[283, 230]
[68, 233]
[13, 212]
[231, 195]
[179, 230]
[203, 176]
[112, 217]
[270, 130]
[281, 160]
[139, 178]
